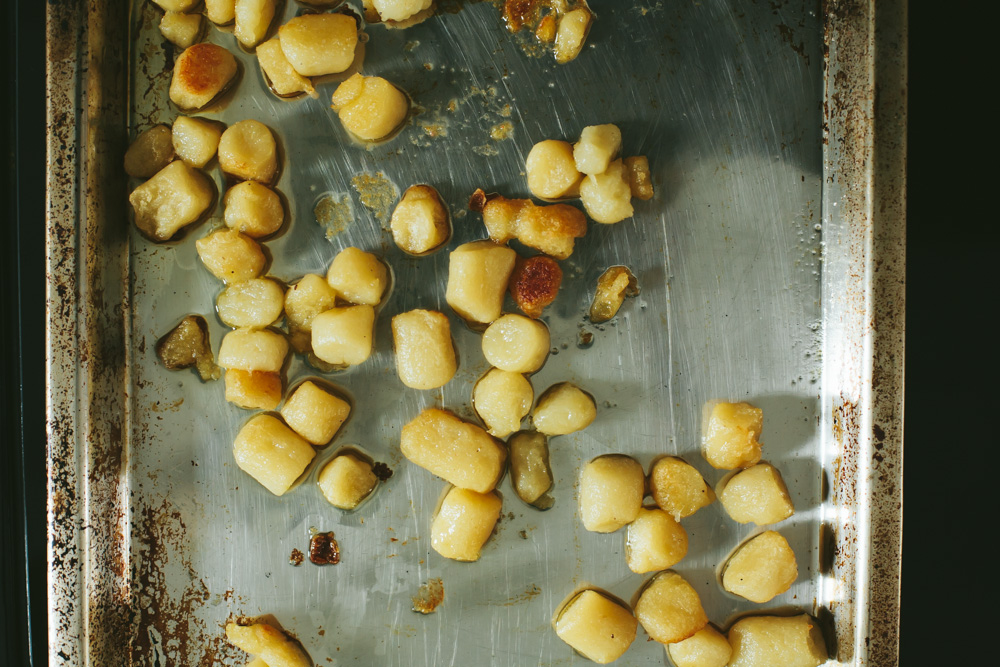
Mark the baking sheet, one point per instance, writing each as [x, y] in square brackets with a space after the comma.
[168, 539]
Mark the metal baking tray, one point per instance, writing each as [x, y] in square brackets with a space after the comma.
[771, 266]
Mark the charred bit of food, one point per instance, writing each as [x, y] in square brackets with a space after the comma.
[535, 283]
[323, 549]
[612, 287]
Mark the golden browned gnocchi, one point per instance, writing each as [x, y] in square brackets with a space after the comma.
[319, 44]
[563, 409]
[607, 196]
[477, 280]
[420, 221]
[254, 209]
[640, 182]
[597, 147]
[315, 413]
[571, 34]
[247, 150]
[730, 437]
[678, 488]
[176, 5]
[766, 641]
[655, 541]
[220, 12]
[253, 390]
[457, 451]
[399, 10]
[613, 286]
[347, 480]
[369, 107]
[231, 256]
[201, 73]
[552, 229]
[305, 300]
[669, 609]
[343, 336]
[273, 454]
[596, 626]
[757, 494]
[611, 491]
[253, 350]
[502, 399]
[761, 568]
[425, 353]
[464, 522]
[171, 200]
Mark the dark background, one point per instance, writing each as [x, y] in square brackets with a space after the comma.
[950, 413]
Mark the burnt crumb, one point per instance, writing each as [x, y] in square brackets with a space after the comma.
[584, 339]
[429, 597]
[296, 557]
[523, 534]
[323, 549]
[381, 471]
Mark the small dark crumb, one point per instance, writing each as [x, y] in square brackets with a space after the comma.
[323, 549]
[429, 596]
[296, 557]
[382, 471]
[393, 539]
[523, 534]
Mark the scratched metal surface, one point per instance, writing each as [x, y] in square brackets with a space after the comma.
[726, 98]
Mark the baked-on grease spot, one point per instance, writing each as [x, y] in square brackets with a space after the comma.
[334, 213]
[377, 193]
[296, 557]
[323, 549]
[382, 471]
[429, 596]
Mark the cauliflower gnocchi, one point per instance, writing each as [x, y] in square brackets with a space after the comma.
[420, 221]
[319, 44]
[761, 568]
[551, 229]
[151, 151]
[551, 170]
[195, 140]
[655, 541]
[669, 609]
[571, 34]
[464, 522]
[315, 413]
[231, 256]
[369, 107]
[611, 491]
[640, 182]
[254, 209]
[201, 73]
[425, 353]
[220, 12]
[253, 390]
[305, 300]
[400, 10]
[272, 647]
[767, 641]
[255, 303]
[180, 29]
[171, 200]
[607, 196]
[477, 280]
[272, 453]
[346, 481]
[247, 150]
[456, 451]
[597, 627]
[253, 18]
[281, 76]
[564, 409]
[597, 147]
[757, 494]
[253, 350]
[678, 488]
[730, 438]
[343, 336]
[516, 344]
[706, 648]
[358, 277]
[502, 399]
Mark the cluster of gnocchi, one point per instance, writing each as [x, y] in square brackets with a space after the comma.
[561, 24]
[591, 170]
[611, 493]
